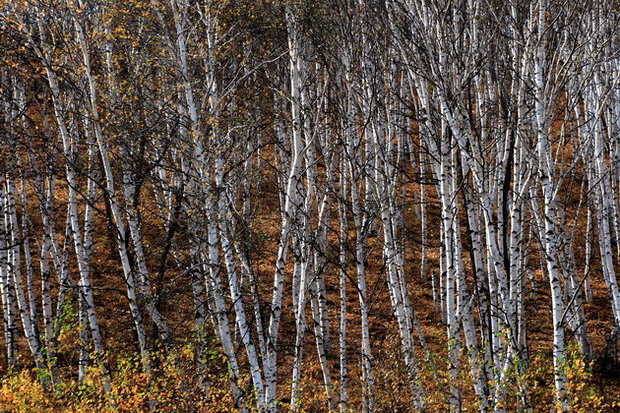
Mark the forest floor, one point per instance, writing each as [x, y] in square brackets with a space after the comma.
[598, 382]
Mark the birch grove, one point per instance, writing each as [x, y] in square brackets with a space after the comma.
[344, 205]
